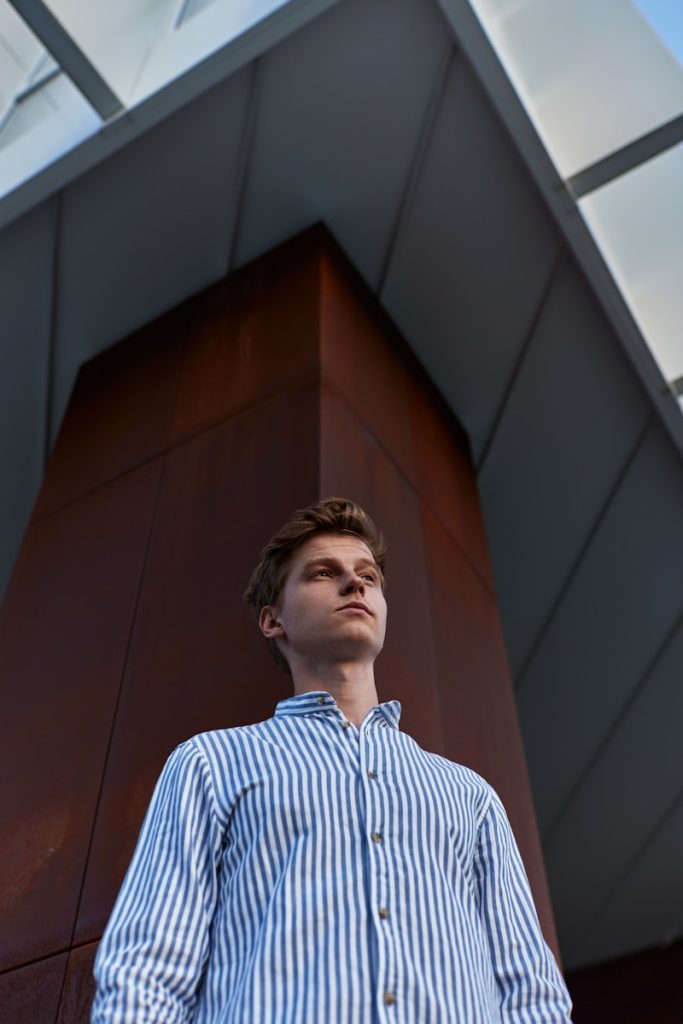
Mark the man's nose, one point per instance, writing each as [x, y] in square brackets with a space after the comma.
[353, 582]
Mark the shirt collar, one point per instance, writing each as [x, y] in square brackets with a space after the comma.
[318, 701]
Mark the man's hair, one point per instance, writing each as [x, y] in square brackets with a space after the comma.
[331, 515]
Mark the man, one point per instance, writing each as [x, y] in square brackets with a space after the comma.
[320, 867]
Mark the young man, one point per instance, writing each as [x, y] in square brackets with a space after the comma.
[320, 867]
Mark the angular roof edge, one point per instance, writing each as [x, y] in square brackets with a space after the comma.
[474, 44]
[127, 125]
[471, 39]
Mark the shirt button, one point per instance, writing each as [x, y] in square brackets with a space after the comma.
[321, 700]
[389, 998]
[376, 837]
[371, 774]
[383, 913]
[345, 725]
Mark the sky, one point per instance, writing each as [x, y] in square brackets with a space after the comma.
[666, 17]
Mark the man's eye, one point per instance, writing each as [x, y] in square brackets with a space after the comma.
[322, 572]
[370, 576]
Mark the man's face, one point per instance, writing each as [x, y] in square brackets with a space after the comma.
[332, 607]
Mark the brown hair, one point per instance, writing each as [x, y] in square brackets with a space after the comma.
[331, 515]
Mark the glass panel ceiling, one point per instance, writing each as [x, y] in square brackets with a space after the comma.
[201, 28]
[20, 51]
[116, 36]
[637, 221]
[124, 52]
[138, 46]
[192, 7]
[593, 74]
[666, 19]
[42, 114]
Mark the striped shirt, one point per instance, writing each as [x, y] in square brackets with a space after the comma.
[305, 871]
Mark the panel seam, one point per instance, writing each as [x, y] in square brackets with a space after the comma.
[167, 447]
[588, 540]
[245, 161]
[422, 146]
[115, 711]
[611, 731]
[52, 334]
[558, 266]
[380, 444]
[627, 869]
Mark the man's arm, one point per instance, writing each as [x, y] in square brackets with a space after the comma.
[151, 958]
[529, 982]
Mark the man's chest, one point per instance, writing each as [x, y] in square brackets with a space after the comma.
[332, 793]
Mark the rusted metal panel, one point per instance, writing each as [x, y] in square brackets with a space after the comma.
[120, 413]
[476, 696]
[367, 360]
[64, 631]
[30, 994]
[359, 357]
[197, 661]
[445, 479]
[352, 465]
[644, 988]
[79, 986]
[250, 336]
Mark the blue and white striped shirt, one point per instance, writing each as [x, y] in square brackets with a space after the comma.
[304, 871]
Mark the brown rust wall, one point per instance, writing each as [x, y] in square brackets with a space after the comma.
[123, 632]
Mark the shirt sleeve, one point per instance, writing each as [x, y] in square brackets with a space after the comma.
[151, 958]
[530, 986]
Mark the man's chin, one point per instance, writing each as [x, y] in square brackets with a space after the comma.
[359, 647]
[346, 649]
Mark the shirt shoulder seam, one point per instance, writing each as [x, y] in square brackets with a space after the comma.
[205, 768]
[485, 808]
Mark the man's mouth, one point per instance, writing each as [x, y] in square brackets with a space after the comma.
[356, 604]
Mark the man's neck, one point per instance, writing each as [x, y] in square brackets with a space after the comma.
[351, 685]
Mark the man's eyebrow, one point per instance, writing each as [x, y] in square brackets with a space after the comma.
[328, 560]
[368, 561]
[323, 560]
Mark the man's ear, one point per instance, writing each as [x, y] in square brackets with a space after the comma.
[269, 622]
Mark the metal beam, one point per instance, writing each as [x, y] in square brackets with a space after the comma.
[627, 158]
[69, 56]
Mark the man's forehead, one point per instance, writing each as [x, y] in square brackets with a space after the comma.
[333, 545]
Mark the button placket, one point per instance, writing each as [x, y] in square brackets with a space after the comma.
[374, 761]
[369, 755]
[377, 835]
[374, 862]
